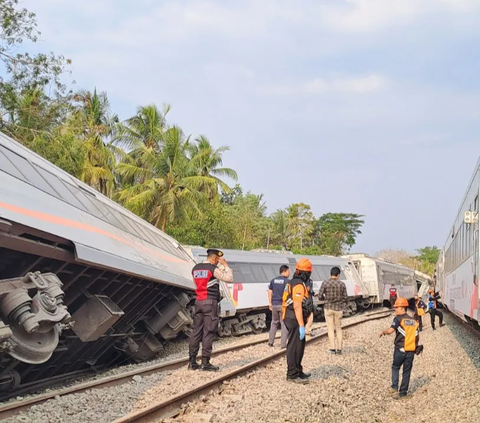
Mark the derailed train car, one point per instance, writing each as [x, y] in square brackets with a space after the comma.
[244, 307]
[85, 284]
[380, 275]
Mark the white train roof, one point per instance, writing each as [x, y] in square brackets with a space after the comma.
[37, 194]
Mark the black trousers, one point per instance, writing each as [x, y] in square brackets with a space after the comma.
[295, 349]
[393, 298]
[205, 325]
[434, 312]
[400, 359]
[420, 321]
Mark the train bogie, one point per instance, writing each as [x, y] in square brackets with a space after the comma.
[115, 287]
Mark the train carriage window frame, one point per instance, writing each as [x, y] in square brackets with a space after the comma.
[32, 177]
[58, 185]
[8, 167]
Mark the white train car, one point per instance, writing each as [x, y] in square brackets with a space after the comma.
[380, 275]
[458, 265]
[244, 307]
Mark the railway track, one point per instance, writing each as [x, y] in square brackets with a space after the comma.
[171, 405]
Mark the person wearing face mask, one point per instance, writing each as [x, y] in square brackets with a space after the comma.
[296, 310]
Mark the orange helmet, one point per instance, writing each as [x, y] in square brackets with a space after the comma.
[401, 302]
[304, 265]
[431, 291]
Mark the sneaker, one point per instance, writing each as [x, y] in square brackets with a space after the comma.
[393, 390]
[442, 324]
[304, 375]
[270, 345]
[404, 397]
[338, 351]
[332, 351]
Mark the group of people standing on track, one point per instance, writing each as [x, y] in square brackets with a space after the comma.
[294, 300]
[291, 304]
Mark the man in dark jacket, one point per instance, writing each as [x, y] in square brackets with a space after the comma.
[275, 295]
[295, 313]
[207, 277]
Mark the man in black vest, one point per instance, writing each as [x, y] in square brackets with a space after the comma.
[207, 277]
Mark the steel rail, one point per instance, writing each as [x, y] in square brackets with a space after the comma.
[15, 407]
[172, 405]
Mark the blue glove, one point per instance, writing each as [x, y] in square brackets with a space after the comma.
[302, 332]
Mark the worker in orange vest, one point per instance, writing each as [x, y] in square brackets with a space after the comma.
[406, 344]
[296, 310]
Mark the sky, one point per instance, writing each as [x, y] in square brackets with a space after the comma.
[357, 106]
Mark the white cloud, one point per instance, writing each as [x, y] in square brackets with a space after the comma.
[355, 85]
[374, 15]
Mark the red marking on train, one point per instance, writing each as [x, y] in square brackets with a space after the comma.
[57, 220]
[236, 287]
[474, 299]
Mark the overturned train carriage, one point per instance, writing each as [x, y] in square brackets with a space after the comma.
[84, 284]
[244, 307]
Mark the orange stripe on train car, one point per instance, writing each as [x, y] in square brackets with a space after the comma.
[57, 220]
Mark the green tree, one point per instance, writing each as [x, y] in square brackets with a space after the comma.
[300, 226]
[167, 188]
[94, 123]
[209, 162]
[428, 254]
[336, 233]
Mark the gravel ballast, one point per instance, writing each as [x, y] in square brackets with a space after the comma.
[352, 387]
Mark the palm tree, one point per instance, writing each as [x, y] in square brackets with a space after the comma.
[146, 128]
[166, 186]
[96, 124]
[208, 161]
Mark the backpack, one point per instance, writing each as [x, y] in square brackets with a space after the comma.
[307, 303]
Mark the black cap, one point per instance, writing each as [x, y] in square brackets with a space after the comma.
[214, 251]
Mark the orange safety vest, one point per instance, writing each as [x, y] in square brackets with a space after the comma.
[409, 329]
[287, 300]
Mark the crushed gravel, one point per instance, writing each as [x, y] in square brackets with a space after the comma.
[354, 387]
[107, 404]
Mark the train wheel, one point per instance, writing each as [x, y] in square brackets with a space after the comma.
[33, 348]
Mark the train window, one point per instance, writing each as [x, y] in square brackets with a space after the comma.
[258, 273]
[244, 268]
[108, 215]
[31, 175]
[85, 201]
[237, 274]
[60, 188]
[269, 271]
[7, 166]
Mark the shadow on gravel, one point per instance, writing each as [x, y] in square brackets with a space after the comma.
[324, 372]
[466, 336]
[357, 349]
[419, 382]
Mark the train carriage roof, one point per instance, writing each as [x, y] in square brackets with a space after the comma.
[39, 195]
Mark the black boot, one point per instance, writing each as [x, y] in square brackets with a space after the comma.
[206, 365]
[193, 365]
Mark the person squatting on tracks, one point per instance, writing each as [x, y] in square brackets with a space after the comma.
[406, 340]
[207, 277]
[419, 311]
[296, 310]
[334, 292]
[432, 308]
[275, 296]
